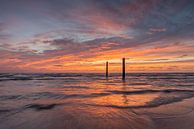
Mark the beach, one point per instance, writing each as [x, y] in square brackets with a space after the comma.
[91, 101]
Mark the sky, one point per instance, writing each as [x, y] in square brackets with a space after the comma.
[81, 35]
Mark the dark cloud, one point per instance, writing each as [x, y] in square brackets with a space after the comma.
[69, 46]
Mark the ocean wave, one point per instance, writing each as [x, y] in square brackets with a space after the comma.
[47, 95]
[155, 103]
[149, 91]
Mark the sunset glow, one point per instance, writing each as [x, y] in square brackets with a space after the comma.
[80, 36]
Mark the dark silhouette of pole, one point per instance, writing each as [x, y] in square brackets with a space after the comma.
[107, 69]
[123, 69]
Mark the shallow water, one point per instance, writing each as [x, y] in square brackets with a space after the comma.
[90, 101]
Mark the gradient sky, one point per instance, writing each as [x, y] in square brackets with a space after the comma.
[80, 35]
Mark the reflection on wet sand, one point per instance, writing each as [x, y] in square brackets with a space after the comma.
[125, 100]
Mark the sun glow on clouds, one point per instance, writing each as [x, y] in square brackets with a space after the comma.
[77, 37]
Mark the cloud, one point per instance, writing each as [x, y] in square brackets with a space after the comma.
[3, 35]
[157, 29]
[58, 35]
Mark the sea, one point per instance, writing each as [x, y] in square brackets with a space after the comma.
[92, 101]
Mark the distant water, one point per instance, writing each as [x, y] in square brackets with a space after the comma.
[90, 101]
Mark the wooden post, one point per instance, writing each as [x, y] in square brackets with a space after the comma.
[107, 69]
[123, 69]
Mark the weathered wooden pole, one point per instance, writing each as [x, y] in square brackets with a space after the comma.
[107, 69]
[123, 69]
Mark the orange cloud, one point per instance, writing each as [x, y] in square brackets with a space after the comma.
[139, 59]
